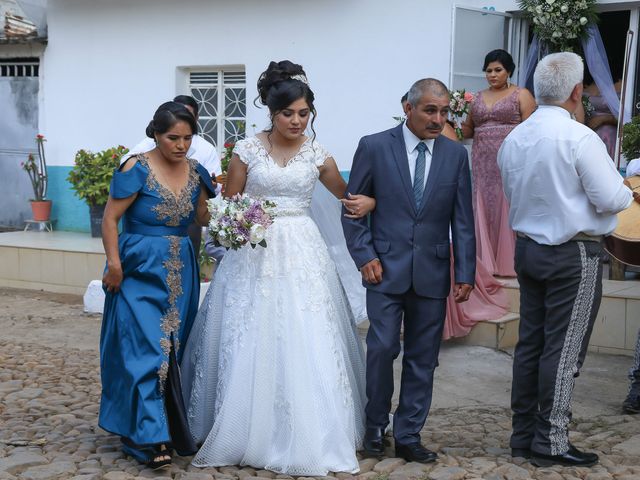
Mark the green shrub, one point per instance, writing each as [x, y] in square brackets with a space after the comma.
[91, 175]
[631, 139]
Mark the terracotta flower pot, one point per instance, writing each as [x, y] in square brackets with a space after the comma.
[41, 210]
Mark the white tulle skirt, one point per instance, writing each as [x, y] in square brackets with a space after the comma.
[273, 371]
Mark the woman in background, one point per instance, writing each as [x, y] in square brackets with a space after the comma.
[487, 301]
[600, 119]
[494, 112]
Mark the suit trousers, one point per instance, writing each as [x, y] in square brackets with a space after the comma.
[560, 292]
[423, 324]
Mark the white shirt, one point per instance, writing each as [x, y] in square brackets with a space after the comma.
[411, 142]
[559, 179]
[200, 150]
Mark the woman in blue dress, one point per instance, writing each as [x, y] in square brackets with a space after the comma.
[152, 289]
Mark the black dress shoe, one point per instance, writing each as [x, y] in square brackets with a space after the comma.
[573, 458]
[415, 452]
[373, 443]
[520, 452]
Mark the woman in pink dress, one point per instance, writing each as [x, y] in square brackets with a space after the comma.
[494, 113]
[488, 300]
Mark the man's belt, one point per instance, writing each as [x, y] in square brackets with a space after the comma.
[579, 237]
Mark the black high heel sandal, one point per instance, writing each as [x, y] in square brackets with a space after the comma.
[158, 460]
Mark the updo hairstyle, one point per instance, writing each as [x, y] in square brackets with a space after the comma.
[281, 84]
[503, 57]
[167, 115]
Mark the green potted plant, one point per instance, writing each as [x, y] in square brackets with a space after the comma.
[90, 178]
[37, 171]
[631, 139]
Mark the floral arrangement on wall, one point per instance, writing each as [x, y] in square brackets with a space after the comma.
[560, 24]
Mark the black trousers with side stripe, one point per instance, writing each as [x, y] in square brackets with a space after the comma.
[560, 292]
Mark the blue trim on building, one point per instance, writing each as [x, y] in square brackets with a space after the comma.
[69, 212]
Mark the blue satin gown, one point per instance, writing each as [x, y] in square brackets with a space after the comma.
[147, 321]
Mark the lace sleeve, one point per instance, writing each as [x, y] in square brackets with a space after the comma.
[320, 154]
[244, 151]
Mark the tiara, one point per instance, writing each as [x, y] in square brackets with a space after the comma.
[300, 77]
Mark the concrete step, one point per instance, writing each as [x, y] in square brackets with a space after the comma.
[615, 330]
[500, 334]
[512, 288]
[61, 262]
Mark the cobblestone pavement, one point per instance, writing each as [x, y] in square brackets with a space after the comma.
[49, 392]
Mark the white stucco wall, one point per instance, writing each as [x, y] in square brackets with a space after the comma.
[110, 63]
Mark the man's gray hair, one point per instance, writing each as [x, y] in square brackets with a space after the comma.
[424, 86]
[556, 76]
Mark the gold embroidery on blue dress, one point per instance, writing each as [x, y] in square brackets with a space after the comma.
[172, 209]
[170, 321]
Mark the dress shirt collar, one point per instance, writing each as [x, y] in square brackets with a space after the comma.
[411, 141]
[554, 108]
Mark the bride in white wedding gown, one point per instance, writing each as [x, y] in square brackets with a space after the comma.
[273, 371]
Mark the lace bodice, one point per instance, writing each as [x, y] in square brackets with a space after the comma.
[291, 186]
[504, 114]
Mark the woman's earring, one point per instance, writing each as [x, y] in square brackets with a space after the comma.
[508, 83]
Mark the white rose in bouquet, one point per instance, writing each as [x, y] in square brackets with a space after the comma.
[257, 233]
[223, 239]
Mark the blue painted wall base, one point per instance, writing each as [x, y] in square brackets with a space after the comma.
[69, 212]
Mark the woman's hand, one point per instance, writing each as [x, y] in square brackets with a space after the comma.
[221, 179]
[596, 121]
[113, 211]
[358, 205]
[113, 278]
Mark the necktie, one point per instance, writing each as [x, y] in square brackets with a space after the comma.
[418, 178]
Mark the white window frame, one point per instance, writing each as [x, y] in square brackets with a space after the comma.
[223, 80]
[510, 40]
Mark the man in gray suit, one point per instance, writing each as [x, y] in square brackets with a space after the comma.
[421, 183]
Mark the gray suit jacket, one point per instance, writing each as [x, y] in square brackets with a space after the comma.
[412, 241]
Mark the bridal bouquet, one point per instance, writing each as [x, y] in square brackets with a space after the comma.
[239, 220]
[459, 102]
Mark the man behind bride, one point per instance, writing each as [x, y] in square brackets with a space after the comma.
[421, 183]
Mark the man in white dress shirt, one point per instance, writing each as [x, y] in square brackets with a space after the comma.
[564, 193]
[206, 155]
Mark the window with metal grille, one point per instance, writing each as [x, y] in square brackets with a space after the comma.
[19, 67]
[221, 96]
